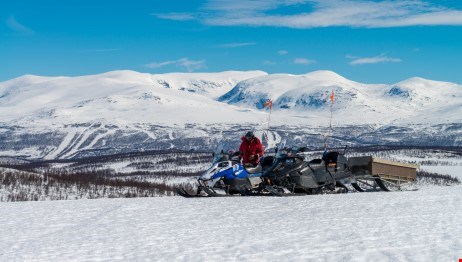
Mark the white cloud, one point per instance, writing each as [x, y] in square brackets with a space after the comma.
[189, 65]
[18, 28]
[351, 56]
[303, 61]
[176, 16]
[283, 52]
[326, 13]
[242, 5]
[267, 62]
[233, 45]
[373, 60]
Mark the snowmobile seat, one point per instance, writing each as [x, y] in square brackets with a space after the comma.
[253, 170]
[316, 161]
[266, 161]
[331, 158]
[316, 164]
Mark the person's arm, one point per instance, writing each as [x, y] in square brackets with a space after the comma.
[259, 150]
[241, 149]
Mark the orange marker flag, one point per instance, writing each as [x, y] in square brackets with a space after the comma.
[332, 96]
[268, 103]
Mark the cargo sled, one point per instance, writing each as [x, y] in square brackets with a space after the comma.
[378, 174]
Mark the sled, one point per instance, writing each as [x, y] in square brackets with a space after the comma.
[373, 174]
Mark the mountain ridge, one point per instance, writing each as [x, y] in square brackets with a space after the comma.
[121, 111]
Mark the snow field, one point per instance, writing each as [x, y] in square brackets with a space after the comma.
[419, 225]
[455, 171]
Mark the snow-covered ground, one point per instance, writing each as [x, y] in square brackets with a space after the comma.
[446, 163]
[421, 225]
[455, 171]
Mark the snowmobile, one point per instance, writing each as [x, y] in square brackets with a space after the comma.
[227, 176]
[292, 175]
[286, 174]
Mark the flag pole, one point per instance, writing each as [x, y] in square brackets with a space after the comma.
[268, 103]
[331, 105]
[332, 98]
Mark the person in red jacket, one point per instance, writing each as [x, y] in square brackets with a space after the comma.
[251, 149]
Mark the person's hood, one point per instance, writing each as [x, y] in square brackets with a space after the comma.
[255, 139]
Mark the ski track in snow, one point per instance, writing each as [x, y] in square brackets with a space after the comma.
[419, 225]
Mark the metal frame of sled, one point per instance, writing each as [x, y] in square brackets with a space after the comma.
[374, 173]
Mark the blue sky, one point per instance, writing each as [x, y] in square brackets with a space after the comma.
[365, 41]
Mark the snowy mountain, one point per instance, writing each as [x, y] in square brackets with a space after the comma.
[411, 101]
[122, 111]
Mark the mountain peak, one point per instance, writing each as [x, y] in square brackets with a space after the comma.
[26, 80]
[429, 85]
[325, 75]
[413, 80]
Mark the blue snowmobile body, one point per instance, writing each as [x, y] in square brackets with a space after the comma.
[229, 177]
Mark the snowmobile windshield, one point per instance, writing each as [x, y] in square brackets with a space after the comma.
[286, 161]
[224, 152]
[330, 157]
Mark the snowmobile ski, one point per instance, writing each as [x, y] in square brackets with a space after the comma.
[247, 192]
[274, 192]
[211, 193]
[182, 192]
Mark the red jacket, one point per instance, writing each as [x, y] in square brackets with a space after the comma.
[248, 149]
